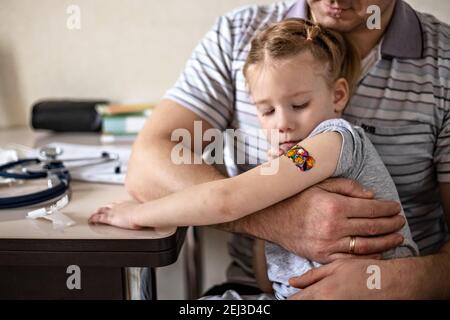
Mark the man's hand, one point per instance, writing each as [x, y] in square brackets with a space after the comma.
[352, 279]
[318, 223]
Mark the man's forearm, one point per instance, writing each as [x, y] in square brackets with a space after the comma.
[426, 277]
[257, 224]
[437, 268]
[239, 226]
[152, 174]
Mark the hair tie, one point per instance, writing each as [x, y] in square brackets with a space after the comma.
[312, 32]
[308, 34]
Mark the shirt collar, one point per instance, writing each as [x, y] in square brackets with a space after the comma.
[403, 37]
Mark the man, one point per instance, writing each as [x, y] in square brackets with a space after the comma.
[402, 101]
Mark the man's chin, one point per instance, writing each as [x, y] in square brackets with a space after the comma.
[338, 25]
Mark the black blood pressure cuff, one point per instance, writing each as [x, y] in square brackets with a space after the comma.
[67, 115]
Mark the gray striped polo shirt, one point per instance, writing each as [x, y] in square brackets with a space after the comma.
[402, 103]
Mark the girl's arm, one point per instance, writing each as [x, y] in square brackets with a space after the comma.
[232, 198]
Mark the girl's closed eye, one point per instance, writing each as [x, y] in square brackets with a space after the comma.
[267, 112]
[300, 106]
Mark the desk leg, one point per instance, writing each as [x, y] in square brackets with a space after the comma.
[193, 263]
[131, 283]
[148, 284]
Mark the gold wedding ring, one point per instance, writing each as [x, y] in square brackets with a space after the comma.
[352, 245]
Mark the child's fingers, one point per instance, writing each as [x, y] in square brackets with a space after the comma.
[103, 209]
[104, 218]
[94, 218]
[101, 215]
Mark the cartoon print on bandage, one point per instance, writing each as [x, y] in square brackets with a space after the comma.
[301, 158]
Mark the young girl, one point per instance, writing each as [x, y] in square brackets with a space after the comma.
[300, 77]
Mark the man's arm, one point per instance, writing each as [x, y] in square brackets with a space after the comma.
[317, 222]
[445, 200]
[426, 277]
[151, 172]
[437, 266]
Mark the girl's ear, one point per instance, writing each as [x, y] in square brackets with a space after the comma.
[340, 95]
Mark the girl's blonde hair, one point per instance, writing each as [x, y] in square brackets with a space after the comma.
[293, 36]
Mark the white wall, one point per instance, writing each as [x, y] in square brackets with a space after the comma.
[129, 50]
[125, 50]
[438, 8]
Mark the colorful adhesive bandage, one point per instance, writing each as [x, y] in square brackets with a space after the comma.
[301, 158]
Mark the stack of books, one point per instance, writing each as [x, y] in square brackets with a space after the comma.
[122, 122]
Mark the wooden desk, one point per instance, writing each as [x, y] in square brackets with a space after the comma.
[34, 257]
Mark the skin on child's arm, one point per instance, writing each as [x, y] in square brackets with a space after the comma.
[230, 199]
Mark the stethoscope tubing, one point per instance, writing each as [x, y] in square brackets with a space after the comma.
[37, 197]
[31, 175]
[50, 168]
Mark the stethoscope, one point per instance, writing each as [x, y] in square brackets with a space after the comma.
[50, 168]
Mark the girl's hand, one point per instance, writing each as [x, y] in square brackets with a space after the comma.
[120, 214]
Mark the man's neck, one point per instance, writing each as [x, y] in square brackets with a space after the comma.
[365, 39]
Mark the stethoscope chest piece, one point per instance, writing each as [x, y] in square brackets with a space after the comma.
[49, 152]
